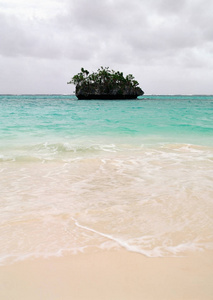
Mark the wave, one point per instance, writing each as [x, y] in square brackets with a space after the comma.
[62, 151]
[50, 151]
[96, 239]
[158, 251]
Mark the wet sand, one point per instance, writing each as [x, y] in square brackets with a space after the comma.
[114, 275]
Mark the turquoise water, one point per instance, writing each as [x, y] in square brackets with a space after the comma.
[105, 174]
[151, 119]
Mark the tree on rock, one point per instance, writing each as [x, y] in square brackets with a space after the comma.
[105, 84]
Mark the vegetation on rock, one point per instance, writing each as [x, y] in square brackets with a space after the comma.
[105, 84]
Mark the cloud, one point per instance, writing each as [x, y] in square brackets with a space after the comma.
[117, 33]
[94, 15]
[89, 29]
[26, 38]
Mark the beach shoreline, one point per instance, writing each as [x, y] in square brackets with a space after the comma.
[119, 189]
[109, 274]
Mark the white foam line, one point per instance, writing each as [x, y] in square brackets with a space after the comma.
[121, 243]
[157, 252]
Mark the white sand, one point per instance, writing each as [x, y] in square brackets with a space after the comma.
[109, 275]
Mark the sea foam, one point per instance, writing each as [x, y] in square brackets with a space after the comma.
[105, 175]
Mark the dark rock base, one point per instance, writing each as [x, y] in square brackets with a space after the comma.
[106, 97]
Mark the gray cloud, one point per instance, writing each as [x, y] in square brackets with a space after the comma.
[147, 34]
[26, 38]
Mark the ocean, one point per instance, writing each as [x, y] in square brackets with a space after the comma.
[78, 176]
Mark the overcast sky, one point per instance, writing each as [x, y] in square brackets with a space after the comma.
[166, 44]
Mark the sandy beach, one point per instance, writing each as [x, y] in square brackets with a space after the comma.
[106, 201]
[114, 275]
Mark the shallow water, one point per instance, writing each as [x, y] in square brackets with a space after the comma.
[76, 175]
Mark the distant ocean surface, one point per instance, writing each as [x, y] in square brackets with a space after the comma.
[100, 174]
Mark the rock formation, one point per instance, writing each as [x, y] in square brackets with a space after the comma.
[105, 84]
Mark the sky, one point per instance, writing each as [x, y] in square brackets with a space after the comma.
[166, 44]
